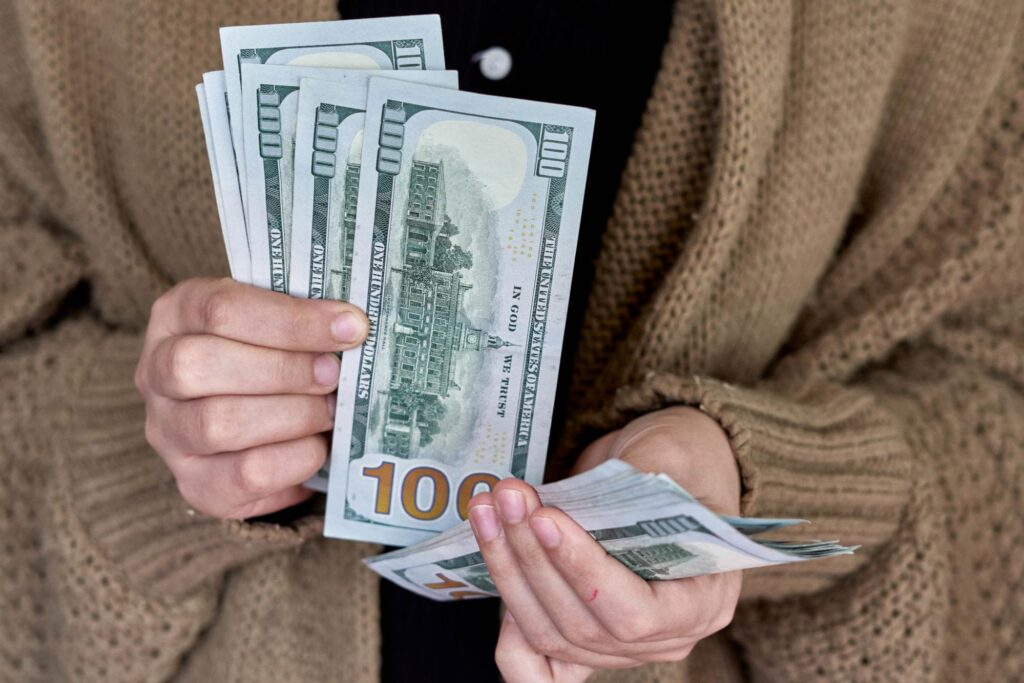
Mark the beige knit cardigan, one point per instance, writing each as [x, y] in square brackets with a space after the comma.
[819, 239]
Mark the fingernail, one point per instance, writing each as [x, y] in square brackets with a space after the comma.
[512, 506]
[332, 404]
[485, 522]
[326, 368]
[546, 531]
[348, 328]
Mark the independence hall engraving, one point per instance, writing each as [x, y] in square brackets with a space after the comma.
[430, 328]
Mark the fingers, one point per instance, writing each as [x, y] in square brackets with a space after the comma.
[293, 495]
[516, 501]
[218, 424]
[533, 620]
[191, 366]
[663, 615]
[225, 308]
[620, 600]
[237, 383]
[518, 662]
[616, 629]
[250, 482]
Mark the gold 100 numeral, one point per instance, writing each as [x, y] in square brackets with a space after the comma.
[385, 476]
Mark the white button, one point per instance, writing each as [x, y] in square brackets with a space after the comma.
[495, 63]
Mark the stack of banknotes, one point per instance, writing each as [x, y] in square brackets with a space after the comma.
[347, 165]
[645, 521]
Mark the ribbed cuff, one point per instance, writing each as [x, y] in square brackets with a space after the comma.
[834, 457]
[123, 500]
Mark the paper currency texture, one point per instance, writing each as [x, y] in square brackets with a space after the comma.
[647, 522]
[270, 104]
[329, 143]
[387, 43]
[226, 185]
[465, 236]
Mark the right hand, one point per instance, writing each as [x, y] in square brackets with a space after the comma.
[238, 386]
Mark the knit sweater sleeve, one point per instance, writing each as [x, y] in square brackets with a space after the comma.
[69, 409]
[70, 399]
[860, 461]
[859, 430]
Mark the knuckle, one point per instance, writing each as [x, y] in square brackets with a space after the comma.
[216, 307]
[587, 635]
[549, 643]
[315, 454]
[212, 424]
[633, 627]
[504, 655]
[530, 555]
[140, 377]
[293, 370]
[152, 431]
[180, 367]
[161, 307]
[574, 560]
[193, 497]
[253, 476]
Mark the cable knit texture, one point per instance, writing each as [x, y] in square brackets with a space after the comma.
[818, 241]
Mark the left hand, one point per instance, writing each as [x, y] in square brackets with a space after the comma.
[572, 608]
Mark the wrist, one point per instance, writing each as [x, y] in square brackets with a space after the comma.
[689, 446]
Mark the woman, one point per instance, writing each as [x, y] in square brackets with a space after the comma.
[806, 302]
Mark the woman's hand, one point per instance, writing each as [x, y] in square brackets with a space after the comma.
[572, 608]
[237, 383]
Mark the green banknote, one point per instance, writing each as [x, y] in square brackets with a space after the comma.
[214, 109]
[269, 114]
[648, 523]
[328, 146]
[391, 43]
[465, 235]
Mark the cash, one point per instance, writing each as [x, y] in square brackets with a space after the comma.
[346, 165]
[465, 234]
[270, 108]
[213, 106]
[645, 521]
[390, 43]
[329, 143]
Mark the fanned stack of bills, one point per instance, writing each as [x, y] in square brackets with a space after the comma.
[645, 521]
[347, 165]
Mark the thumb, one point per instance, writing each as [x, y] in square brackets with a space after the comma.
[595, 454]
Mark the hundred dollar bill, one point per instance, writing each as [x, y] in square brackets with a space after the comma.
[328, 145]
[269, 114]
[649, 524]
[466, 227]
[204, 115]
[389, 43]
[229, 196]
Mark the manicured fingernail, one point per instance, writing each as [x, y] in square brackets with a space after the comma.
[512, 506]
[546, 531]
[348, 328]
[485, 522]
[326, 368]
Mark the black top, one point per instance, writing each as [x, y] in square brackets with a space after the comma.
[587, 53]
